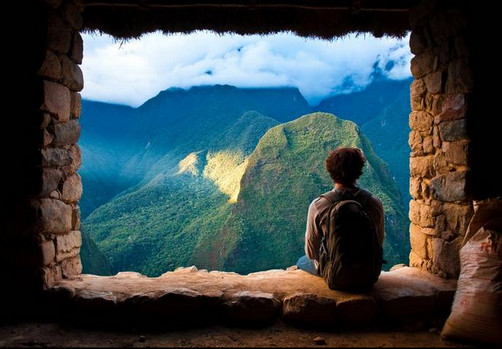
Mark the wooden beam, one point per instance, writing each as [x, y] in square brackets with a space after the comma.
[368, 5]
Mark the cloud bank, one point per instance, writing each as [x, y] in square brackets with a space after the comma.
[134, 71]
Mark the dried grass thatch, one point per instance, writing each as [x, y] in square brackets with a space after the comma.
[325, 19]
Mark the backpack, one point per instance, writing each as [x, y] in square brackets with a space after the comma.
[350, 255]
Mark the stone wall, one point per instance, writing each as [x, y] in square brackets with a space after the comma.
[58, 216]
[40, 238]
[440, 208]
[39, 227]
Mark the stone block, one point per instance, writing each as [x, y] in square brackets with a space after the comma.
[50, 180]
[418, 241]
[71, 267]
[422, 166]
[414, 212]
[415, 188]
[68, 245]
[434, 103]
[421, 121]
[425, 188]
[423, 64]
[75, 155]
[412, 292]
[190, 269]
[401, 295]
[417, 95]
[441, 166]
[248, 308]
[66, 133]
[56, 100]
[72, 75]
[175, 306]
[72, 189]
[446, 256]
[94, 301]
[449, 187]
[53, 216]
[453, 130]
[75, 218]
[51, 66]
[55, 195]
[440, 224]
[76, 105]
[418, 42]
[416, 261]
[456, 152]
[44, 120]
[457, 217]
[68, 242]
[51, 276]
[77, 48]
[58, 33]
[415, 142]
[55, 157]
[47, 138]
[454, 108]
[309, 309]
[428, 145]
[428, 213]
[460, 79]
[444, 289]
[72, 14]
[434, 82]
[356, 309]
[48, 252]
[436, 137]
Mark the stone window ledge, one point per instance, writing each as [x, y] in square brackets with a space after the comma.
[256, 299]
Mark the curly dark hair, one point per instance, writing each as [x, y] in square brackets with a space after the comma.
[345, 165]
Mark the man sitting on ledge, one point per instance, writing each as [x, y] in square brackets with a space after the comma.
[345, 166]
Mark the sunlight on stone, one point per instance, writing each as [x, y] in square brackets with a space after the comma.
[226, 170]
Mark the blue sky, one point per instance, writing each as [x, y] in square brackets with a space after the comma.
[131, 72]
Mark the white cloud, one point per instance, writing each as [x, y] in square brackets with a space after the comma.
[134, 71]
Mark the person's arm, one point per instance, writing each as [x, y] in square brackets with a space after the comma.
[312, 234]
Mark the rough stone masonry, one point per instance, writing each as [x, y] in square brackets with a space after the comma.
[440, 208]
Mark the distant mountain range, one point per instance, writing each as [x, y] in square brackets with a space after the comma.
[221, 177]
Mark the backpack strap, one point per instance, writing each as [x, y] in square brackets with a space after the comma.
[332, 196]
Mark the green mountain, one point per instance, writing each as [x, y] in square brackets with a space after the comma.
[232, 210]
[93, 260]
[155, 227]
[382, 111]
[106, 148]
[284, 174]
[177, 181]
[123, 147]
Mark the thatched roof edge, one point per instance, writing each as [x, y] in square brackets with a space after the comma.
[128, 20]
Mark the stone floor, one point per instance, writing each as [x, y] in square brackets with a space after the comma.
[279, 334]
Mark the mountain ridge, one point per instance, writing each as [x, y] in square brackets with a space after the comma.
[207, 158]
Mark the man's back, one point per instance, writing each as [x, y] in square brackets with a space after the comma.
[317, 219]
[355, 246]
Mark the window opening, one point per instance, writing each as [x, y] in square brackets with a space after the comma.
[206, 149]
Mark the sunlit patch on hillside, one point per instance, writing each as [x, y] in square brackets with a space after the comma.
[188, 164]
[226, 170]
